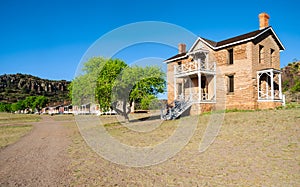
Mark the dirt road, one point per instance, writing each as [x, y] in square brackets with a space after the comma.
[38, 159]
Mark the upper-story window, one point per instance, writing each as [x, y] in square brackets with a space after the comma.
[261, 54]
[230, 56]
[272, 56]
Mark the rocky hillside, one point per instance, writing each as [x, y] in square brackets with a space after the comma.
[291, 81]
[14, 87]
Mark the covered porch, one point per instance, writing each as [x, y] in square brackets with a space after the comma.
[269, 85]
[195, 80]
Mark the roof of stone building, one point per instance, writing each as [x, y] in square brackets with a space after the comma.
[235, 39]
[250, 36]
[178, 56]
[243, 38]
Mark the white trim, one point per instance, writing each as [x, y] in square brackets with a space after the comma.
[277, 39]
[194, 73]
[240, 41]
[178, 58]
[265, 100]
[206, 101]
[229, 44]
[197, 51]
[194, 44]
[269, 70]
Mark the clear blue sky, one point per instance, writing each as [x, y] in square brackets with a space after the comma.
[48, 38]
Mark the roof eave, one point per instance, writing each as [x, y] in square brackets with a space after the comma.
[174, 59]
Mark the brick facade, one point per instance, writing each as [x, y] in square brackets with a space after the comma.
[249, 56]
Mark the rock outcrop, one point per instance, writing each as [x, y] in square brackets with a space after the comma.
[14, 87]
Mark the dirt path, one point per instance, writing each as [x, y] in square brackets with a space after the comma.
[39, 159]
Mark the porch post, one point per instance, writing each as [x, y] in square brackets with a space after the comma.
[190, 86]
[206, 61]
[175, 86]
[215, 87]
[199, 86]
[280, 89]
[272, 85]
[267, 86]
[258, 86]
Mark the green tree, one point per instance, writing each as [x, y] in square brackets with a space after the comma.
[5, 107]
[106, 80]
[14, 107]
[18, 106]
[111, 83]
[29, 102]
[137, 84]
[82, 88]
[40, 102]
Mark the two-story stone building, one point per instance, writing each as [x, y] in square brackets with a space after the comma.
[242, 72]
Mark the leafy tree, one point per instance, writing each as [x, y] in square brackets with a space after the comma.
[40, 102]
[5, 107]
[30, 102]
[139, 84]
[18, 106]
[14, 107]
[82, 88]
[112, 83]
[146, 101]
[105, 82]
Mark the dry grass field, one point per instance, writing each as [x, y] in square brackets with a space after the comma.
[9, 118]
[11, 133]
[253, 148]
[259, 148]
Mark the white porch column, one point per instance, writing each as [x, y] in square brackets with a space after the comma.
[206, 60]
[199, 86]
[280, 89]
[267, 86]
[175, 86]
[272, 85]
[258, 86]
[215, 87]
[190, 86]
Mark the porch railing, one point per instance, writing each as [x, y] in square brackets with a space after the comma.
[195, 66]
[195, 97]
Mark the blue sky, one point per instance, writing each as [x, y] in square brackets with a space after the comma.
[49, 38]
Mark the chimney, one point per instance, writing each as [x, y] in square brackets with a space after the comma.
[181, 48]
[263, 20]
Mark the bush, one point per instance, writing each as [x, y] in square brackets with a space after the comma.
[296, 87]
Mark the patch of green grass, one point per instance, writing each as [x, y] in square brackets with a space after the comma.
[227, 111]
[8, 118]
[10, 134]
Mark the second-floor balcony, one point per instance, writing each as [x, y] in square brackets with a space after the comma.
[195, 66]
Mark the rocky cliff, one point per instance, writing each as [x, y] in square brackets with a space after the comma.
[14, 87]
[291, 81]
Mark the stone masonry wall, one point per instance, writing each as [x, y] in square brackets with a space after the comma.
[268, 43]
[170, 81]
[243, 96]
[244, 69]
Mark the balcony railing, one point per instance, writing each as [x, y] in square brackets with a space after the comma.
[194, 97]
[195, 66]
